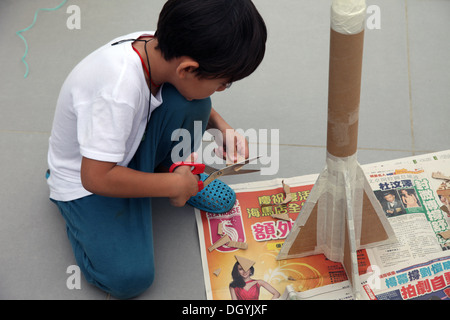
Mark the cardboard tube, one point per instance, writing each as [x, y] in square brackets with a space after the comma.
[344, 87]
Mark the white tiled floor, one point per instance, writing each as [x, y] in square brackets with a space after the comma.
[404, 111]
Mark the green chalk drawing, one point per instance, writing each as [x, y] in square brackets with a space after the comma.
[19, 33]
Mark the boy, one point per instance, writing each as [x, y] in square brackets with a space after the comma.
[110, 146]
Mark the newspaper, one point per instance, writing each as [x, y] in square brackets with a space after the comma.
[417, 266]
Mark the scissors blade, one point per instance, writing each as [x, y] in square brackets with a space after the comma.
[209, 170]
[235, 168]
[230, 170]
[245, 171]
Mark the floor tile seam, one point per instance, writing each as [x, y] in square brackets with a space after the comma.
[408, 57]
[413, 150]
[26, 132]
[359, 148]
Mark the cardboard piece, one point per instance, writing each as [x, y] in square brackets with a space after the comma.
[220, 228]
[281, 216]
[302, 239]
[440, 175]
[244, 262]
[444, 189]
[222, 241]
[287, 193]
[443, 192]
[238, 245]
[287, 196]
[445, 234]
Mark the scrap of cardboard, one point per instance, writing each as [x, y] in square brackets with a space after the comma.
[445, 234]
[287, 196]
[287, 192]
[444, 189]
[281, 216]
[220, 228]
[217, 272]
[238, 245]
[439, 175]
[244, 262]
[222, 241]
[226, 240]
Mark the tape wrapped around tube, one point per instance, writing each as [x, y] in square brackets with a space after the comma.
[348, 16]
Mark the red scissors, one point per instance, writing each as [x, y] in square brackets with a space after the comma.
[197, 168]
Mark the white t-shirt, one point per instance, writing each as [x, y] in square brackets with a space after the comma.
[101, 114]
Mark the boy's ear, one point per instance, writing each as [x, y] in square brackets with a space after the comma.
[186, 67]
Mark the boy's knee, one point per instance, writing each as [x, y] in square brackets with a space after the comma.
[128, 281]
[133, 286]
[170, 121]
[180, 105]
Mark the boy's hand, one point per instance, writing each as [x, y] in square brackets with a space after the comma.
[187, 185]
[234, 147]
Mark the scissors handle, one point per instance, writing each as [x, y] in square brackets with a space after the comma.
[196, 168]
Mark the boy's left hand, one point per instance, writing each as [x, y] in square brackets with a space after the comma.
[234, 146]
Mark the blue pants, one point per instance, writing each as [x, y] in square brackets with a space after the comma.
[112, 237]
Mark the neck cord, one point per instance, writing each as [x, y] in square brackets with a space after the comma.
[143, 64]
[149, 74]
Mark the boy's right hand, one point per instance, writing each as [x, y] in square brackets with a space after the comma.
[187, 185]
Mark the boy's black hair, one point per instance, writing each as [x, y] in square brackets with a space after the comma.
[226, 37]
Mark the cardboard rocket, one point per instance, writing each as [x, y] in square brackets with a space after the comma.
[341, 214]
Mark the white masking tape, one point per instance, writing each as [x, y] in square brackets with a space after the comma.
[348, 16]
